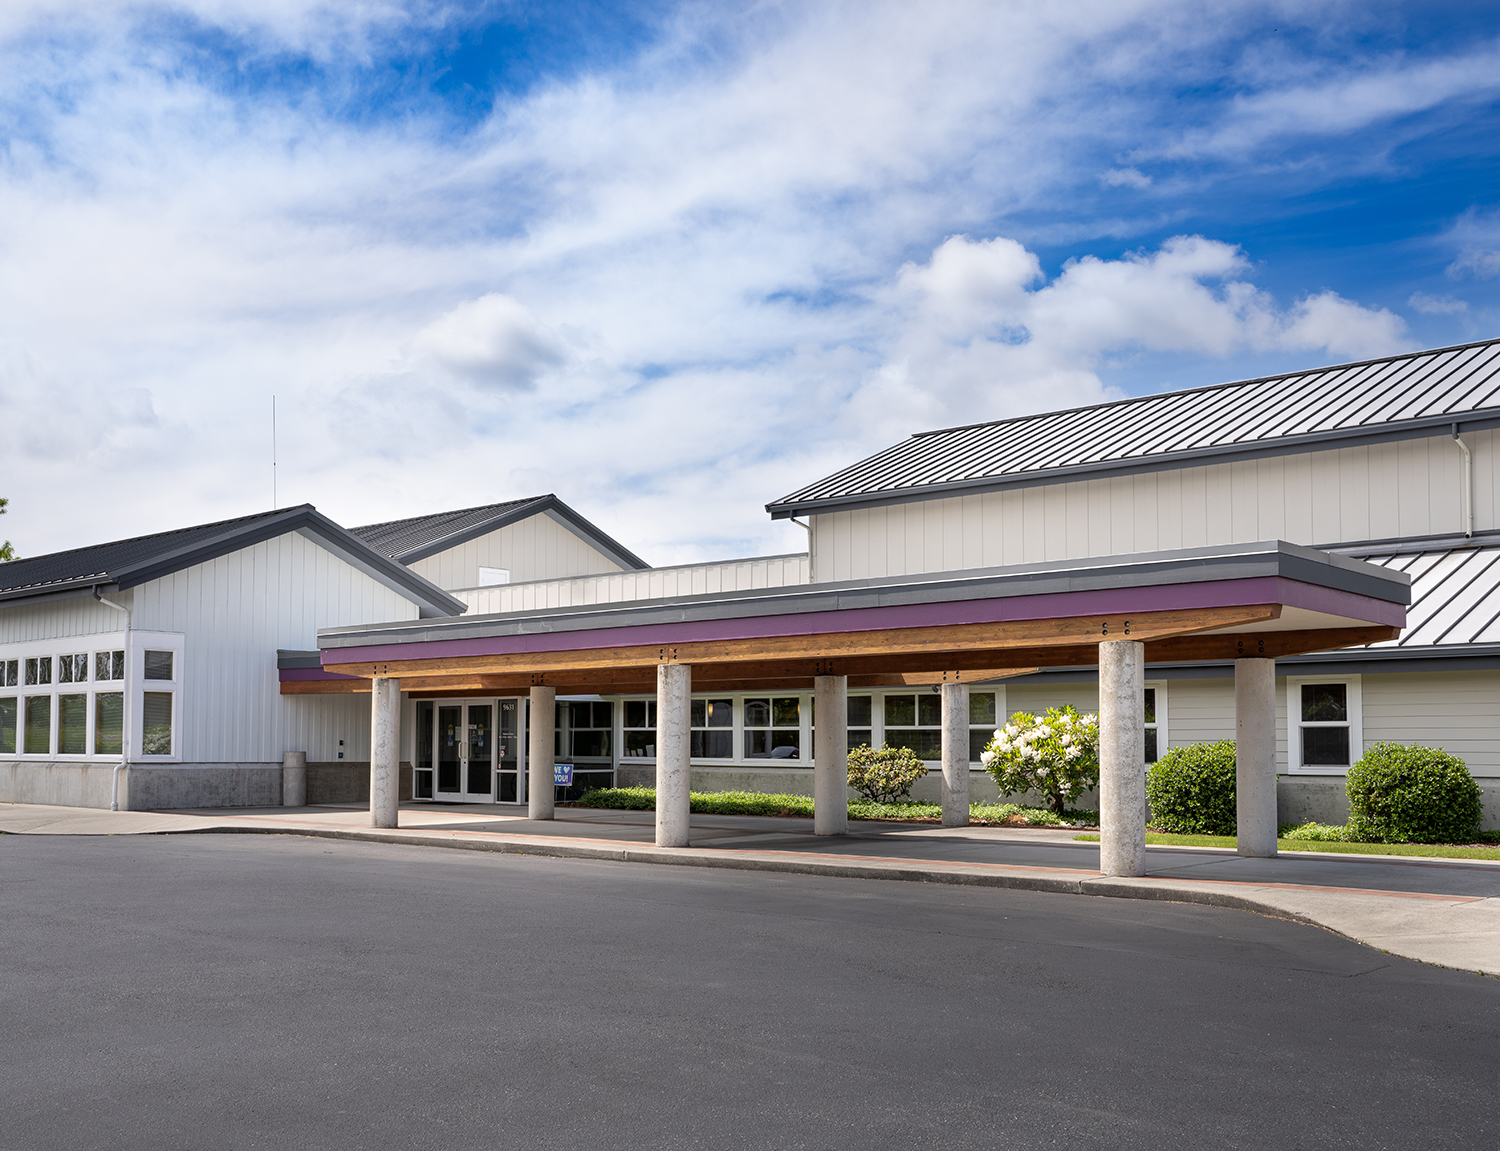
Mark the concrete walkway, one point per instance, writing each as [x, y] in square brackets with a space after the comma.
[1440, 911]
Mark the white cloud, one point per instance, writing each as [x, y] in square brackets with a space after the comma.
[1430, 305]
[1476, 235]
[1125, 178]
[669, 292]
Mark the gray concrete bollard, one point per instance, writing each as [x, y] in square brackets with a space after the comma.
[294, 779]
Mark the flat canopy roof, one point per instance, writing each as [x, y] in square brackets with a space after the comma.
[1265, 599]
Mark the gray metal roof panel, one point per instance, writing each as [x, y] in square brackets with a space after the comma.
[1455, 596]
[1386, 397]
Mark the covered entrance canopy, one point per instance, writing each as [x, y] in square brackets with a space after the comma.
[1251, 603]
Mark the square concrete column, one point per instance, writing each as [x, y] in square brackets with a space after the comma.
[1255, 755]
[541, 753]
[385, 751]
[955, 755]
[674, 712]
[1122, 757]
[830, 755]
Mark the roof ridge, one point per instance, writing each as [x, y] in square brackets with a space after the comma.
[1205, 388]
[12, 564]
[455, 512]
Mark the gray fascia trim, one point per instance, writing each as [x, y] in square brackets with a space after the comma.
[1226, 454]
[297, 660]
[1196, 565]
[1415, 545]
[560, 512]
[432, 601]
[67, 589]
[1352, 661]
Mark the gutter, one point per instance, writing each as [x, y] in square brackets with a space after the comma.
[114, 787]
[1466, 493]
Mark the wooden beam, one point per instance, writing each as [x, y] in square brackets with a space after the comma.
[1264, 644]
[935, 648]
[325, 687]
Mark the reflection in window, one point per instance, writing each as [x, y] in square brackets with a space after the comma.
[72, 724]
[8, 725]
[712, 724]
[640, 728]
[584, 729]
[158, 665]
[38, 671]
[109, 665]
[1324, 723]
[1151, 753]
[39, 724]
[109, 723]
[156, 723]
[859, 716]
[915, 722]
[773, 728]
[9, 669]
[72, 669]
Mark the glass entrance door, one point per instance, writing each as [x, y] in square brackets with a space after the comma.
[465, 753]
[509, 786]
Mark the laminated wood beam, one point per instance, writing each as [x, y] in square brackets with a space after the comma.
[886, 650]
[1264, 644]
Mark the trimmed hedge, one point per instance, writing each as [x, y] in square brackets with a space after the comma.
[1191, 790]
[1400, 794]
[757, 803]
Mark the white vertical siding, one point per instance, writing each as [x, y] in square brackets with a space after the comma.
[56, 619]
[234, 613]
[535, 548]
[1410, 488]
[626, 586]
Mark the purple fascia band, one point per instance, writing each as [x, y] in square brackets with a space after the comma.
[1058, 605]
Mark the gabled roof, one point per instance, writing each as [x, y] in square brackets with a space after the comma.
[1391, 398]
[422, 536]
[128, 563]
[1455, 595]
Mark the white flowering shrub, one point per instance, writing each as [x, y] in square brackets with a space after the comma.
[1056, 754]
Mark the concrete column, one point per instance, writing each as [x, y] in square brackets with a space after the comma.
[541, 753]
[1122, 757]
[385, 751]
[1255, 755]
[955, 755]
[830, 755]
[294, 779]
[674, 698]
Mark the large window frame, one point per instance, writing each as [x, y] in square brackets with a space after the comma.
[1295, 724]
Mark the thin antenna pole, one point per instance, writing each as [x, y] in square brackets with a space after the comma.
[274, 504]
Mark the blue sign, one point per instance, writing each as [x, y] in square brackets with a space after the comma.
[562, 774]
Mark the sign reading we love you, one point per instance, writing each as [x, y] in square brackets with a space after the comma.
[562, 774]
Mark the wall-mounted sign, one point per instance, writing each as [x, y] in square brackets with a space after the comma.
[562, 774]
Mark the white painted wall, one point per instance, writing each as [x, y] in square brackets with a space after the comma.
[622, 587]
[536, 548]
[1408, 488]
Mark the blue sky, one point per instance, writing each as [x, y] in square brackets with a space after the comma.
[674, 260]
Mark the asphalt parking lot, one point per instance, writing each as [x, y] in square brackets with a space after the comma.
[277, 991]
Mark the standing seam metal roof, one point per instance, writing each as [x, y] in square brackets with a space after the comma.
[1455, 596]
[399, 538]
[1430, 386]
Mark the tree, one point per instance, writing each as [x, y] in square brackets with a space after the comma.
[6, 551]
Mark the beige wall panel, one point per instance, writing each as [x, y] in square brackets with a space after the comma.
[1270, 480]
[1146, 511]
[1459, 711]
[536, 548]
[1297, 497]
[971, 541]
[1171, 526]
[1199, 710]
[1122, 516]
[1385, 499]
[1088, 516]
[1038, 697]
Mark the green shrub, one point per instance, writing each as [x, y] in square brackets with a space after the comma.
[1056, 754]
[1314, 833]
[1400, 794]
[884, 774]
[1191, 790]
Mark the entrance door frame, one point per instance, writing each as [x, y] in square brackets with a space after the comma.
[465, 708]
[463, 795]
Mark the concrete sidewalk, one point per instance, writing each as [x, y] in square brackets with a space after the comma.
[1439, 911]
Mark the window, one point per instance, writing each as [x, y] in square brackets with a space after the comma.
[421, 783]
[109, 722]
[39, 723]
[159, 665]
[38, 671]
[489, 577]
[860, 713]
[640, 728]
[916, 721]
[8, 724]
[712, 723]
[109, 665]
[72, 669]
[8, 672]
[156, 720]
[584, 730]
[773, 728]
[1324, 723]
[981, 722]
[72, 724]
[1156, 714]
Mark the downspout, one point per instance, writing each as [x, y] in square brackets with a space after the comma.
[1466, 496]
[808, 529]
[114, 789]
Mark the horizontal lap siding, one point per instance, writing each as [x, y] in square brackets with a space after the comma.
[234, 613]
[1459, 711]
[1402, 489]
[625, 587]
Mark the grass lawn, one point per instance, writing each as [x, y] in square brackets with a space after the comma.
[1435, 850]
